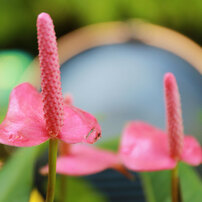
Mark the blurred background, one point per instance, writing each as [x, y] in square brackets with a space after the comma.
[18, 18]
[114, 69]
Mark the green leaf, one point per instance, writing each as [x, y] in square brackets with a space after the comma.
[157, 185]
[16, 176]
[112, 144]
[191, 184]
[13, 64]
[78, 189]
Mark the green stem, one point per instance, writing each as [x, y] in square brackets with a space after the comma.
[63, 188]
[175, 186]
[53, 145]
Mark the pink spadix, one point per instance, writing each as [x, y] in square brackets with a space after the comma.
[174, 117]
[146, 148]
[34, 117]
[53, 104]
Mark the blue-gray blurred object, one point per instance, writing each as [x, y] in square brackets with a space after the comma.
[117, 188]
[118, 83]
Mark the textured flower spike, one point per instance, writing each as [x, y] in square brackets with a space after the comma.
[50, 75]
[174, 116]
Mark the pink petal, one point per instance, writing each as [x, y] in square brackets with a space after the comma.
[79, 126]
[145, 148]
[84, 160]
[24, 125]
[192, 153]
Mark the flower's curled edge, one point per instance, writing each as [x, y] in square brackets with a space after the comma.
[145, 148]
[24, 124]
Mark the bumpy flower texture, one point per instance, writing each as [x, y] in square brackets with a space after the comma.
[34, 117]
[146, 148]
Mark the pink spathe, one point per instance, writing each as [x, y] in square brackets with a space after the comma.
[145, 148]
[25, 125]
[53, 103]
[173, 116]
[84, 160]
[34, 117]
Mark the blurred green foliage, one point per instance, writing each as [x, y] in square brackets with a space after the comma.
[77, 189]
[12, 66]
[17, 180]
[16, 176]
[18, 18]
[157, 185]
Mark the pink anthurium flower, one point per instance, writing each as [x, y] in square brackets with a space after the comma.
[146, 148]
[80, 159]
[34, 117]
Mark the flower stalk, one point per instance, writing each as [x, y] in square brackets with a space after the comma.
[175, 184]
[63, 188]
[174, 129]
[53, 146]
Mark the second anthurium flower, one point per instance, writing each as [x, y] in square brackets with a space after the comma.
[147, 148]
[34, 117]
